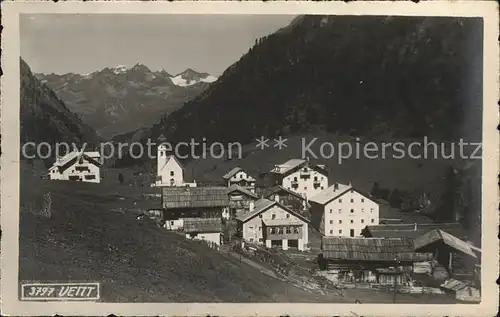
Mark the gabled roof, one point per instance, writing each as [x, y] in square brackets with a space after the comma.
[232, 172]
[67, 160]
[294, 165]
[429, 240]
[171, 157]
[275, 189]
[262, 205]
[242, 190]
[194, 197]
[371, 249]
[412, 230]
[330, 193]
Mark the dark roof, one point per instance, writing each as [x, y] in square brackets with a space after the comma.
[199, 225]
[232, 172]
[278, 188]
[371, 249]
[243, 190]
[194, 197]
[428, 241]
[413, 230]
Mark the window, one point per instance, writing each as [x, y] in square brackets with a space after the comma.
[331, 222]
[362, 200]
[371, 209]
[340, 221]
[322, 187]
[171, 223]
[331, 231]
[251, 239]
[305, 188]
[288, 230]
[273, 216]
[288, 215]
[362, 209]
[352, 200]
[352, 211]
[295, 179]
[340, 200]
[362, 220]
[351, 233]
[315, 178]
[280, 230]
[295, 230]
[272, 230]
[330, 211]
[260, 240]
[340, 210]
[260, 216]
[171, 173]
[250, 227]
[340, 231]
[260, 228]
[373, 220]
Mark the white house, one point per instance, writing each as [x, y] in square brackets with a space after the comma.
[301, 176]
[170, 171]
[77, 166]
[271, 224]
[237, 176]
[341, 210]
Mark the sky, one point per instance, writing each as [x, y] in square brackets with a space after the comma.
[83, 43]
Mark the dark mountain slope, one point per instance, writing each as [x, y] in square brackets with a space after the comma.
[371, 76]
[45, 118]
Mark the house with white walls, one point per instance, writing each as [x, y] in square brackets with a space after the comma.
[169, 170]
[237, 176]
[77, 166]
[301, 176]
[271, 224]
[240, 199]
[341, 210]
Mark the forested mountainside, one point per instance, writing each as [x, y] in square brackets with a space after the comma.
[45, 117]
[369, 76]
[119, 100]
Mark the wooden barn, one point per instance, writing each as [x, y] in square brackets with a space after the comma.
[361, 260]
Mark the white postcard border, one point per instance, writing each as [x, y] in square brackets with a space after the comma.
[10, 130]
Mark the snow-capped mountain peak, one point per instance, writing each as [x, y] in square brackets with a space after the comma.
[191, 77]
[119, 69]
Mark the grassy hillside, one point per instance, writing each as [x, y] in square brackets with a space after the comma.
[135, 260]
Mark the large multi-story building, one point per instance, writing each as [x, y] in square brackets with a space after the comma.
[301, 176]
[77, 166]
[341, 210]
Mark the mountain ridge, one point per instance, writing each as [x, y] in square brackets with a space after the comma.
[118, 100]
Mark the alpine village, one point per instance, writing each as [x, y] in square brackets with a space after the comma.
[271, 226]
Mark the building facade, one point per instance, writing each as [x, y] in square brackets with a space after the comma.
[273, 225]
[196, 211]
[240, 200]
[340, 210]
[237, 176]
[301, 176]
[77, 166]
[170, 171]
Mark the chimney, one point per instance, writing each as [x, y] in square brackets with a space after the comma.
[277, 198]
[415, 227]
[350, 183]
[335, 186]
[251, 206]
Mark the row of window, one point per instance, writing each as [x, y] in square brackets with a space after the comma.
[351, 232]
[352, 221]
[352, 210]
[280, 230]
[352, 200]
